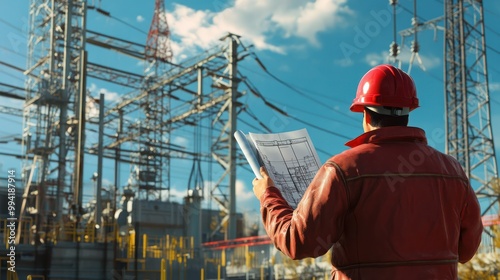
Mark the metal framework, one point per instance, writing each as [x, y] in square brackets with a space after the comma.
[468, 125]
[164, 99]
[469, 136]
[158, 43]
[150, 171]
[53, 127]
[190, 101]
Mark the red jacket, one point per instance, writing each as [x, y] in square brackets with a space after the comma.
[391, 207]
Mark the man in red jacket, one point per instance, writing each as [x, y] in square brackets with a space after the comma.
[391, 207]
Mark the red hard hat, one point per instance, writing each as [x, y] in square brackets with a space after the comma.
[385, 85]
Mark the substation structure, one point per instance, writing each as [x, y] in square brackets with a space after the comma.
[59, 235]
[148, 235]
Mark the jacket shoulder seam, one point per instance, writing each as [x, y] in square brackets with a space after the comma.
[458, 177]
[343, 178]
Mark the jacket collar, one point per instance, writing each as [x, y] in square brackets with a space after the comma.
[389, 134]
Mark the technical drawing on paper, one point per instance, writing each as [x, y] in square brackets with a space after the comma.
[291, 161]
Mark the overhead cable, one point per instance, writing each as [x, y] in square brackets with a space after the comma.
[108, 14]
[259, 62]
[321, 128]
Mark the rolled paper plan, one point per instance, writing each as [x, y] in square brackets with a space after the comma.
[248, 152]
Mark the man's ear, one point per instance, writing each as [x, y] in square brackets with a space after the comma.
[366, 117]
[366, 121]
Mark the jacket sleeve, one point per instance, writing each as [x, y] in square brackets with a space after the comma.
[471, 228]
[316, 224]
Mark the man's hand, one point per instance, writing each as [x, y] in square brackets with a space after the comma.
[260, 185]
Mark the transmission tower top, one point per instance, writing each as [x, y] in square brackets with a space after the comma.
[158, 42]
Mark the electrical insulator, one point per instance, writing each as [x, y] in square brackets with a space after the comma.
[394, 49]
[415, 47]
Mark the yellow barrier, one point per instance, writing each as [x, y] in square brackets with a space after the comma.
[25, 231]
[163, 270]
[144, 245]
[31, 277]
[12, 275]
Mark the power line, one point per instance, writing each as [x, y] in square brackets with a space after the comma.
[316, 127]
[487, 27]
[275, 108]
[311, 113]
[493, 13]
[488, 47]
[282, 112]
[11, 25]
[108, 14]
[252, 115]
[492, 49]
[257, 129]
[11, 51]
[494, 101]
[297, 87]
[11, 75]
[410, 12]
[321, 128]
[294, 89]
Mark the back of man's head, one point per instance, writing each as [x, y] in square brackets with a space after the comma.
[384, 120]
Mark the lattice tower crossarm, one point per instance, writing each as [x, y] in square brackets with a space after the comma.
[55, 83]
[467, 100]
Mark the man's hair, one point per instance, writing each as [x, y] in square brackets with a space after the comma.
[379, 120]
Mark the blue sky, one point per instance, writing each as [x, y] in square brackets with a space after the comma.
[320, 47]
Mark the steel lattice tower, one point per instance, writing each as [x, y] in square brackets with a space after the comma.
[469, 136]
[53, 132]
[151, 168]
[467, 104]
[158, 43]
[217, 103]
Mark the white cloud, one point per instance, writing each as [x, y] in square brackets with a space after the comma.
[139, 18]
[109, 96]
[257, 21]
[176, 194]
[92, 109]
[344, 62]
[428, 61]
[243, 194]
[494, 86]
[181, 141]
[308, 20]
[373, 59]
[244, 199]
[248, 204]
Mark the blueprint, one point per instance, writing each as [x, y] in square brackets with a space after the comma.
[290, 159]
